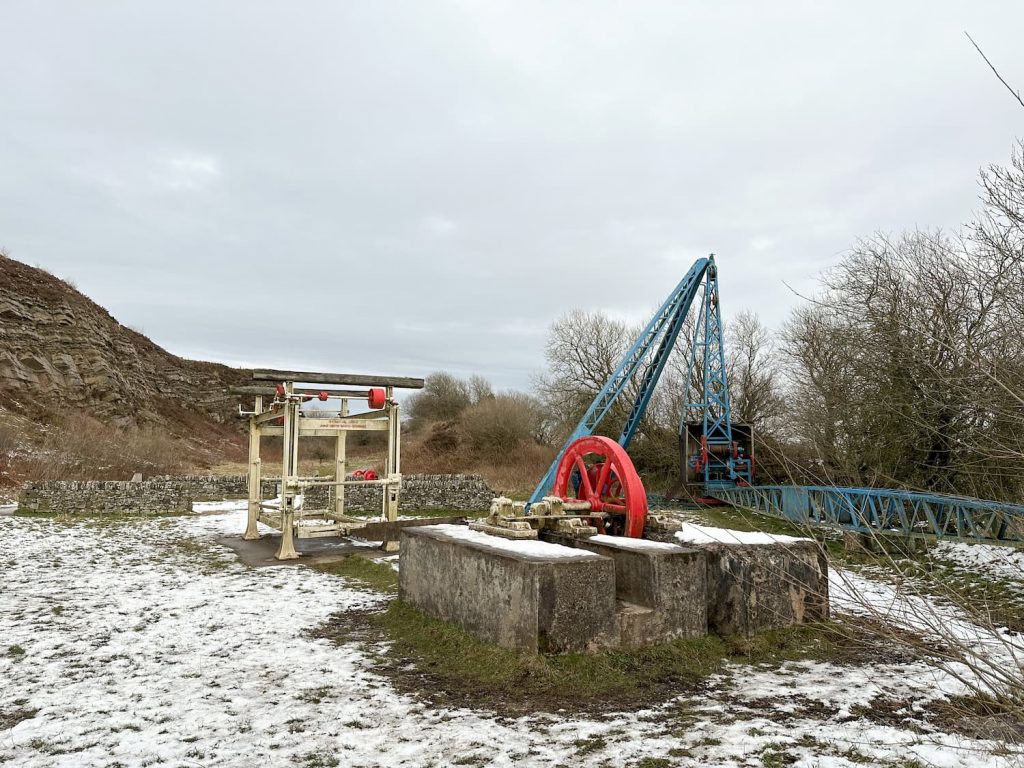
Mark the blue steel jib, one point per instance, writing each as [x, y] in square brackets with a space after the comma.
[881, 511]
[663, 327]
[718, 462]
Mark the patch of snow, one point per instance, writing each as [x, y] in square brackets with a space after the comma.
[144, 642]
[276, 501]
[987, 650]
[701, 534]
[522, 547]
[993, 561]
[211, 507]
[624, 542]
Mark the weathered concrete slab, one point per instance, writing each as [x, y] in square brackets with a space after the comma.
[758, 581]
[260, 552]
[662, 587]
[531, 595]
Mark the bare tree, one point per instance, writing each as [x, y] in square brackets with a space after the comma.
[480, 389]
[443, 397]
[754, 382]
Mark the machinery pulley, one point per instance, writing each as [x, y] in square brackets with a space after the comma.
[598, 470]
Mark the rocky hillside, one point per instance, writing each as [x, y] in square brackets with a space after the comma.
[61, 352]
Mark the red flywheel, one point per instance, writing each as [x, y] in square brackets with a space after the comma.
[598, 470]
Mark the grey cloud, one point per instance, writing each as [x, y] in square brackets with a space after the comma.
[434, 183]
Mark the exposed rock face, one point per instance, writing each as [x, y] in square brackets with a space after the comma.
[59, 350]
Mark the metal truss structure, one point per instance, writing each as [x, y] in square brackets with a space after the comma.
[284, 417]
[875, 511]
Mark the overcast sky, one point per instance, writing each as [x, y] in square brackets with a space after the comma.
[404, 187]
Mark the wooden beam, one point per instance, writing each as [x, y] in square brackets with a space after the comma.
[349, 379]
[271, 391]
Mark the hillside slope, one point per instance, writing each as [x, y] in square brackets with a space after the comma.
[61, 352]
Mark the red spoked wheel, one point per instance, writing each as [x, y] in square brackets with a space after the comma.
[598, 470]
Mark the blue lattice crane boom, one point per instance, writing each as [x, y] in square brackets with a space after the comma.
[719, 460]
[659, 337]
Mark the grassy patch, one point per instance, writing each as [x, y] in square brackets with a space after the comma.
[452, 654]
[380, 577]
[586, 747]
[11, 717]
[448, 665]
[15, 651]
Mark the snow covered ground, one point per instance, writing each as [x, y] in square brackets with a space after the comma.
[144, 642]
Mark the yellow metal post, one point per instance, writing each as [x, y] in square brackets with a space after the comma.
[340, 464]
[393, 469]
[255, 479]
[289, 476]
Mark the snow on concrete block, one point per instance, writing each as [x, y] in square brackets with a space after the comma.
[530, 595]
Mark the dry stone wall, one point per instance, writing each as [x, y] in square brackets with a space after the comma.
[167, 494]
[76, 497]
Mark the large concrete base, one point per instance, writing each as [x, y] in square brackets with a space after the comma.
[518, 594]
[567, 594]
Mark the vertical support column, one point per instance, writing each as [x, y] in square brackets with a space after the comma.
[393, 469]
[289, 476]
[340, 464]
[255, 475]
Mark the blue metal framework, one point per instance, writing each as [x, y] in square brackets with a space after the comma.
[882, 511]
[660, 335]
[718, 460]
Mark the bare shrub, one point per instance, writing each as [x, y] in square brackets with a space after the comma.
[443, 397]
[518, 473]
[10, 439]
[502, 424]
[79, 447]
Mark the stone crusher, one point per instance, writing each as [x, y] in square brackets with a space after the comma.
[592, 486]
[282, 409]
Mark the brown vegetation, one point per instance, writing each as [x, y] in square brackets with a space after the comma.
[460, 425]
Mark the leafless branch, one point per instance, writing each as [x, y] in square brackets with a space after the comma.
[1016, 94]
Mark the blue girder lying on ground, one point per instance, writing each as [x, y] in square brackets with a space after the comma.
[881, 511]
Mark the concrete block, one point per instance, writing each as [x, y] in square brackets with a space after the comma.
[757, 587]
[530, 595]
[669, 581]
[757, 581]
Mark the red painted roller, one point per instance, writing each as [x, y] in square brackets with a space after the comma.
[369, 475]
[607, 479]
[323, 397]
[377, 398]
